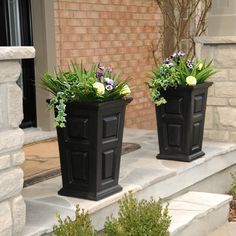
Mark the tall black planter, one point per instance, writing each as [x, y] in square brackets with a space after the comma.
[180, 122]
[90, 149]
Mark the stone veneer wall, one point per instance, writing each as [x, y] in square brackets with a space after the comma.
[221, 111]
[12, 206]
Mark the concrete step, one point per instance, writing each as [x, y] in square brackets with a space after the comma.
[140, 173]
[198, 213]
[228, 229]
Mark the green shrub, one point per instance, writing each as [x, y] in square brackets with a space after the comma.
[233, 185]
[144, 218]
[136, 218]
[81, 226]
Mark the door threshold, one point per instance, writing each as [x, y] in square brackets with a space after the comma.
[32, 135]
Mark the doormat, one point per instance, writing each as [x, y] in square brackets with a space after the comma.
[42, 160]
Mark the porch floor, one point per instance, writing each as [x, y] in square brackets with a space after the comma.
[140, 172]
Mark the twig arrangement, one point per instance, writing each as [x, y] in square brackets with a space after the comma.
[182, 20]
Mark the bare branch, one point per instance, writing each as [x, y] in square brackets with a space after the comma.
[183, 20]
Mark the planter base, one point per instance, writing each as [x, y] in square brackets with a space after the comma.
[181, 157]
[90, 196]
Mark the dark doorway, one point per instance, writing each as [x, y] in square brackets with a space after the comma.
[16, 30]
[4, 32]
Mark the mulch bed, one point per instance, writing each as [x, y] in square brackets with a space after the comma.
[232, 212]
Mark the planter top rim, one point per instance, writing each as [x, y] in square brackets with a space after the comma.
[98, 104]
[202, 85]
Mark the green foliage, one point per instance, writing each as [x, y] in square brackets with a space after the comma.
[136, 218]
[97, 84]
[177, 70]
[144, 218]
[81, 226]
[233, 185]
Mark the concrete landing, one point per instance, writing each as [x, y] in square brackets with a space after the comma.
[140, 172]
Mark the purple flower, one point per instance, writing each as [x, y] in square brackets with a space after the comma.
[109, 87]
[99, 75]
[181, 54]
[189, 64]
[100, 66]
[109, 81]
[109, 70]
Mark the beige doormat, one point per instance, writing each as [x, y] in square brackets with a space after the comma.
[42, 160]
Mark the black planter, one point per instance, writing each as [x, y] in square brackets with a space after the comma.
[90, 149]
[180, 122]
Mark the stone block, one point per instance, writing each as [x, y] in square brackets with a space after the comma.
[10, 71]
[232, 74]
[11, 183]
[223, 8]
[3, 106]
[18, 214]
[15, 106]
[216, 135]
[221, 25]
[211, 91]
[233, 137]
[224, 56]
[225, 89]
[11, 108]
[11, 140]
[213, 101]
[207, 52]
[5, 161]
[1, 114]
[232, 101]
[209, 120]
[14, 53]
[215, 40]
[222, 75]
[5, 219]
[227, 116]
[18, 158]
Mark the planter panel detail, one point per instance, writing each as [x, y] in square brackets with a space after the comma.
[90, 149]
[180, 122]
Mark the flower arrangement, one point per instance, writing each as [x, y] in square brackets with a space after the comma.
[177, 70]
[98, 84]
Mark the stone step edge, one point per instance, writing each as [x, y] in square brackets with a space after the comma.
[190, 198]
[223, 200]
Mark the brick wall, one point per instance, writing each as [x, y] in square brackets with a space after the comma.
[117, 33]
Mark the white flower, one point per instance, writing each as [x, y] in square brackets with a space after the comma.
[200, 66]
[125, 90]
[190, 80]
[100, 89]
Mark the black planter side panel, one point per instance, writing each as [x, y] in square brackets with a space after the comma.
[90, 149]
[109, 145]
[180, 122]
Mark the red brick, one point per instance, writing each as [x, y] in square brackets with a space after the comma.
[118, 33]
